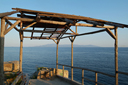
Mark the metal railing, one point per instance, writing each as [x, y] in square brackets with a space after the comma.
[96, 74]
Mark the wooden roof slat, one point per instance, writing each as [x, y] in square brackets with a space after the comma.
[7, 13]
[68, 16]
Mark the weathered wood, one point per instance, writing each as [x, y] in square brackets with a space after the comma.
[29, 25]
[32, 33]
[72, 59]
[39, 31]
[82, 76]
[116, 57]
[21, 48]
[88, 70]
[57, 56]
[2, 51]
[110, 33]
[11, 27]
[91, 25]
[96, 78]
[11, 24]
[6, 26]
[72, 31]
[7, 13]
[17, 79]
[39, 37]
[85, 33]
[57, 23]
[63, 71]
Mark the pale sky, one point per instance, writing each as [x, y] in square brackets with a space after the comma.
[110, 10]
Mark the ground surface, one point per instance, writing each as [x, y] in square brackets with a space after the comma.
[55, 81]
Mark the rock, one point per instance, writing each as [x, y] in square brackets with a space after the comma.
[11, 66]
[8, 66]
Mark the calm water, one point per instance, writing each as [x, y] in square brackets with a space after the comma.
[98, 58]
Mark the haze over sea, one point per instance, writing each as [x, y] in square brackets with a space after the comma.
[95, 58]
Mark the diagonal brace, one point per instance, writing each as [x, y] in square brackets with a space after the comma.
[11, 27]
[110, 33]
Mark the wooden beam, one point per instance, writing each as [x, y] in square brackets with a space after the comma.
[91, 25]
[67, 16]
[39, 37]
[2, 51]
[39, 31]
[29, 25]
[11, 27]
[85, 33]
[42, 32]
[72, 31]
[11, 24]
[110, 33]
[7, 13]
[57, 22]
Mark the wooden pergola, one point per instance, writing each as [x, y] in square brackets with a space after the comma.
[55, 26]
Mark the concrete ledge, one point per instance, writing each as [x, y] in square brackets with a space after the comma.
[68, 80]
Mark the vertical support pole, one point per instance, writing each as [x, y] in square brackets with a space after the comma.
[116, 57]
[72, 59]
[82, 76]
[57, 56]
[21, 49]
[96, 78]
[63, 71]
[76, 29]
[2, 52]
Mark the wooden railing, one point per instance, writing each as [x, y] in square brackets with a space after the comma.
[96, 74]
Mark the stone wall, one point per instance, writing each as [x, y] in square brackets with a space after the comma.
[12, 66]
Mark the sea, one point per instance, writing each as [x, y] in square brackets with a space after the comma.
[94, 58]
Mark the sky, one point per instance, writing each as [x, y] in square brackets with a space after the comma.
[110, 10]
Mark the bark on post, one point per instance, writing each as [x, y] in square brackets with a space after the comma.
[116, 57]
[2, 52]
[72, 40]
[21, 48]
[57, 56]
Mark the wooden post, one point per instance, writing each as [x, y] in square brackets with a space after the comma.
[21, 48]
[116, 57]
[2, 51]
[96, 78]
[72, 59]
[82, 76]
[57, 56]
[63, 71]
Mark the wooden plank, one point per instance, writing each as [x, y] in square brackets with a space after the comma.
[53, 33]
[17, 79]
[2, 51]
[43, 32]
[110, 33]
[7, 13]
[29, 25]
[11, 24]
[11, 27]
